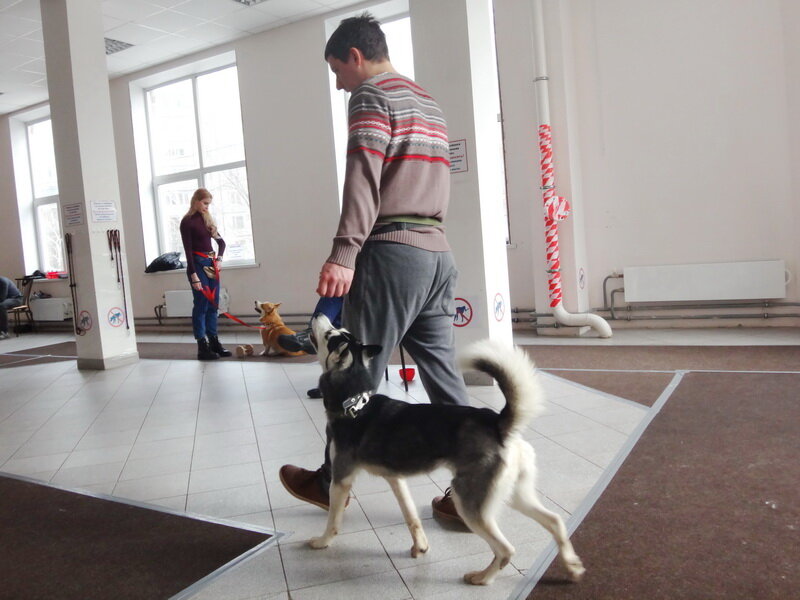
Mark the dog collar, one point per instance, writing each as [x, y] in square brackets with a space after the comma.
[354, 404]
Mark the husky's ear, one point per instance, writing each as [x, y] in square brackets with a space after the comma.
[371, 350]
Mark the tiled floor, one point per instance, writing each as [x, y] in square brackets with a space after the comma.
[208, 438]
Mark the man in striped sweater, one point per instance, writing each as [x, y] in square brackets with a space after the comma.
[390, 257]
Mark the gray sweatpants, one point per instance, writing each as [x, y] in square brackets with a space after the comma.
[401, 294]
[404, 295]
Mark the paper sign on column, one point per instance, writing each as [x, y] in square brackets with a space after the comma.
[73, 214]
[458, 156]
[104, 212]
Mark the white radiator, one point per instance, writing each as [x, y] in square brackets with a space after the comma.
[179, 302]
[51, 309]
[752, 280]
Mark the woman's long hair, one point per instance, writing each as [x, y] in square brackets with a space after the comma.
[211, 225]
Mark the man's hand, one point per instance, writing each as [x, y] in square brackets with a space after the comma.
[334, 280]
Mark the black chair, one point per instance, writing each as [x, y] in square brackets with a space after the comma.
[25, 284]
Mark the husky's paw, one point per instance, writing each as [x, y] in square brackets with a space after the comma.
[416, 550]
[318, 543]
[575, 568]
[478, 578]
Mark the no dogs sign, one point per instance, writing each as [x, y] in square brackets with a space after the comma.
[463, 314]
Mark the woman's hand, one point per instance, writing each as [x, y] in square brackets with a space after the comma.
[197, 285]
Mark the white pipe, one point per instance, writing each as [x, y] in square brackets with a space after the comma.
[599, 324]
[543, 104]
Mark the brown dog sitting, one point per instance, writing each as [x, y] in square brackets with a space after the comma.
[273, 328]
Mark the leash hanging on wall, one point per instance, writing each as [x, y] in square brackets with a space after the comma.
[115, 248]
[72, 285]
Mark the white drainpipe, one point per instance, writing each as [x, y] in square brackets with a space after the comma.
[555, 208]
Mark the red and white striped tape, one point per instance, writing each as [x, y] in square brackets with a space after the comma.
[556, 209]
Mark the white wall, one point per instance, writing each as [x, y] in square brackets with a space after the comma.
[684, 131]
[790, 19]
[689, 158]
[685, 117]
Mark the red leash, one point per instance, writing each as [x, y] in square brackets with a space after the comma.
[206, 291]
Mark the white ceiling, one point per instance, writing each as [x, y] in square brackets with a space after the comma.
[159, 30]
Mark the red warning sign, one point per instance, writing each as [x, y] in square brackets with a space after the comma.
[463, 314]
[116, 317]
[499, 307]
[85, 320]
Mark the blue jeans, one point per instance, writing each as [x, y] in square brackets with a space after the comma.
[331, 308]
[204, 313]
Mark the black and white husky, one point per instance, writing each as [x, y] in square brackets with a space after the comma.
[490, 461]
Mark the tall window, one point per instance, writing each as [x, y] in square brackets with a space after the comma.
[195, 131]
[398, 39]
[42, 160]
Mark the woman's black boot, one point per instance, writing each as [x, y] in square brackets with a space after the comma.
[213, 342]
[204, 351]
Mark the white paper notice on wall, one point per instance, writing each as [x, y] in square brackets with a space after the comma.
[104, 212]
[458, 156]
[73, 214]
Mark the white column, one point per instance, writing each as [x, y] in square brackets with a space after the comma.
[83, 136]
[454, 60]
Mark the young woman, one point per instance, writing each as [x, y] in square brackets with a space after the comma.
[197, 229]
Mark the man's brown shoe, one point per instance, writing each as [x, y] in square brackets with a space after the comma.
[445, 508]
[306, 485]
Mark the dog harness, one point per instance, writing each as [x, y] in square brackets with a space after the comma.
[354, 404]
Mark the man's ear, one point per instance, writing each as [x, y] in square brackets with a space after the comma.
[372, 350]
[356, 56]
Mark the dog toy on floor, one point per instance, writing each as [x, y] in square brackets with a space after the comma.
[244, 350]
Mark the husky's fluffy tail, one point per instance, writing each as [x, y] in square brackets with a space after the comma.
[515, 373]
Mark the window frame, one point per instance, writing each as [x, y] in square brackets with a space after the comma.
[37, 202]
[199, 174]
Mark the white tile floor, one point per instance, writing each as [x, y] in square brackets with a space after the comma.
[208, 438]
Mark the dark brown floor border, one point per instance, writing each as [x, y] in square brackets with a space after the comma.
[543, 564]
[641, 387]
[540, 566]
[194, 588]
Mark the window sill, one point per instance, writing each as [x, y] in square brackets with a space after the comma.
[37, 280]
[225, 267]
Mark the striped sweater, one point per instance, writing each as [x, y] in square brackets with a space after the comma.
[397, 164]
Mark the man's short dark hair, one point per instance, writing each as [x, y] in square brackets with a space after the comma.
[362, 32]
